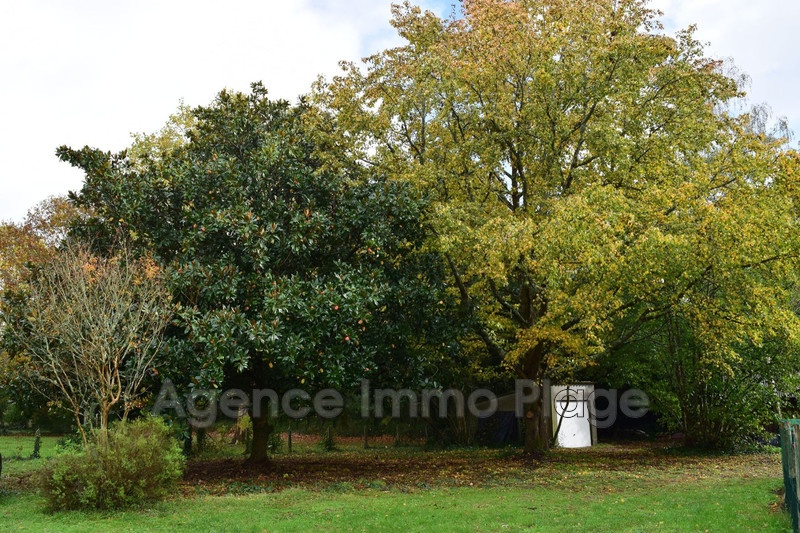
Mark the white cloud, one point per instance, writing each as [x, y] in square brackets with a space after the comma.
[91, 71]
[760, 37]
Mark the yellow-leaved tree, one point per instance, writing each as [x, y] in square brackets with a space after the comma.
[586, 178]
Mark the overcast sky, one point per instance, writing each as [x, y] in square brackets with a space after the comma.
[91, 72]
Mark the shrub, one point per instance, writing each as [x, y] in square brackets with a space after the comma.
[719, 401]
[131, 464]
[70, 442]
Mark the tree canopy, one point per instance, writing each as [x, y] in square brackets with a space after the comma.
[285, 274]
[586, 178]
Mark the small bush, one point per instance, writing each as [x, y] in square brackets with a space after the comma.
[131, 464]
[71, 442]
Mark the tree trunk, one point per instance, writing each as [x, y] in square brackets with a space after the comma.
[537, 414]
[37, 445]
[105, 411]
[187, 444]
[80, 428]
[262, 430]
[201, 439]
[537, 434]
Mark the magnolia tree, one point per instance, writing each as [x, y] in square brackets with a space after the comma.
[585, 180]
[89, 330]
[285, 274]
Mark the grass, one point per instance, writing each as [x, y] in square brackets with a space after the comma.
[631, 487]
[21, 446]
[17, 450]
[738, 506]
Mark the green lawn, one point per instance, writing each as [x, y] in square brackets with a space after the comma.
[17, 449]
[716, 506]
[606, 488]
[21, 446]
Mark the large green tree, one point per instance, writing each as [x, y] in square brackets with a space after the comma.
[587, 179]
[285, 274]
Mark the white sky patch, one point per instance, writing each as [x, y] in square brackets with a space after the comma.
[760, 36]
[90, 72]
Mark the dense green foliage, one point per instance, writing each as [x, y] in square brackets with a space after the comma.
[130, 464]
[714, 407]
[285, 274]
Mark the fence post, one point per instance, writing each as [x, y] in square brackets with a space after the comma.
[790, 462]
